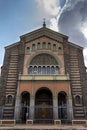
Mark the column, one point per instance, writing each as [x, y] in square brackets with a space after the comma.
[17, 105]
[55, 107]
[17, 108]
[70, 106]
[32, 107]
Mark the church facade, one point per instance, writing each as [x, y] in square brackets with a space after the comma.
[43, 79]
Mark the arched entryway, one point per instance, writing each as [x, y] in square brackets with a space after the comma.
[44, 106]
[25, 103]
[62, 106]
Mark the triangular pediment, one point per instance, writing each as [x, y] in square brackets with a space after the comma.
[44, 32]
[41, 32]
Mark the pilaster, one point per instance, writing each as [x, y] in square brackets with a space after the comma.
[55, 107]
[32, 102]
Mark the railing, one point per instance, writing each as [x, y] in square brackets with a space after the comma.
[42, 113]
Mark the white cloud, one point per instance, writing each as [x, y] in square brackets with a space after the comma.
[72, 21]
[84, 29]
[49, 9]
[53, 24]
[85, 56]
[69, 20]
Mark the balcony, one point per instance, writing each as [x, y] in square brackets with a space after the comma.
[44, 77]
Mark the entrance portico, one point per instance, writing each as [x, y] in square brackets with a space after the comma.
[43, 103]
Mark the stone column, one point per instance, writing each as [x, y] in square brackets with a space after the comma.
[17, 105]
[17, 108]
[32, 107]
[55, 107]
[69, 105]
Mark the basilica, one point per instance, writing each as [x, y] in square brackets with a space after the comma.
[43, 79]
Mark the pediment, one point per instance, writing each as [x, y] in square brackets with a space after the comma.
[44, 32]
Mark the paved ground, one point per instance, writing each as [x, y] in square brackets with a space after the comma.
[44, 127]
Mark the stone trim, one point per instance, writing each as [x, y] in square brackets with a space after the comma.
[79, 122]
[7, 122]
[57, 122]
[29, 122]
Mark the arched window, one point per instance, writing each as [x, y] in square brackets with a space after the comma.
[49, 45]
[44, 64]
[28, 49]
[77, 99]
[52, 70]
[38, 45]
[43, 70]
[9, 99]
[35, 70]
[33, 47]
[54, 47]
[44, 45]
[48, 69]
[30, 71]
[59, 48]
[39, 70]
[57, 70]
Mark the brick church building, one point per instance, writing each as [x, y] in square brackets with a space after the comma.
[43, 78]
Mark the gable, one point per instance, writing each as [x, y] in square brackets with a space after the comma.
[44, 32]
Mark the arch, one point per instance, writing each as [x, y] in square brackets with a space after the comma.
[40, 52]
[25, 103]
[44, 60]
[46, 88]
[62, 105]
[44, 103]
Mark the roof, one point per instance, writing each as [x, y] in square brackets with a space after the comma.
[44, 31]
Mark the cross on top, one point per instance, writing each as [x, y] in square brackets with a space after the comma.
[44, 23]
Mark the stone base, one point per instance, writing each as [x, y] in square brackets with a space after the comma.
[79, 122]
[57, 122]
[29, 122]
[7, 122]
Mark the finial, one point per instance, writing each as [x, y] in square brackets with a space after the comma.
[44, 24]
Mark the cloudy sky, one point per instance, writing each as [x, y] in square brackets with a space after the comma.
[18, 17]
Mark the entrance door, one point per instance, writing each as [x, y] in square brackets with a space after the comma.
[43, 109]
[62, 106]
[25, 101]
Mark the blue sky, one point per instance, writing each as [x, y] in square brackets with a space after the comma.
[18, 17]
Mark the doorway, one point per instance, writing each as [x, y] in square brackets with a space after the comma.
[25, 102]
[43, 106]
[62, 106]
